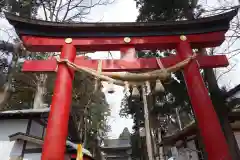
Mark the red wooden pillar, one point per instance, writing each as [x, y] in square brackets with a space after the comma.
[209, 126]
[57, 128]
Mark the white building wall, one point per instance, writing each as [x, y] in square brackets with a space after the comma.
[237, 136]
[189, 153]
[33, 156]
[5, 149]
[193, 153]
[35, 130]
[14, 149]
[183, 154]
[8, 127]
[37, 156]
[30, 145]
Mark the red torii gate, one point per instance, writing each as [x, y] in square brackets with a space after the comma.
[43, 36]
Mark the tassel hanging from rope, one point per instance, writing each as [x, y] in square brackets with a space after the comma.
[110, 87]
[148, 87]
[126, 86]
[135, 91]
[159, 86]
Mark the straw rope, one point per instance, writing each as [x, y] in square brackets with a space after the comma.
[159, 86]
[119, 78]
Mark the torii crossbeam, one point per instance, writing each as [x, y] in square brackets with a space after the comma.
[51, 37]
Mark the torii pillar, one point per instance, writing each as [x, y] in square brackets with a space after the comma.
[203, 107]
[57, 129]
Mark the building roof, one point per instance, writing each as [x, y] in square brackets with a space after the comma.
[40, 110]
[232, 92]
[125, 135]
[39, 114]
[25, 114]
[25, 26]
[122, 143]
[26, 137]
[39, 141]
[190, 130]
[116, 143]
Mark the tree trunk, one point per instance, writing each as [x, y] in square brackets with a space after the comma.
[200, 147]
[85, 132]
[161, 157]
[16, 50]
[5, 93]
[154, 145]
[221, 110]
[40, 91]
[80, 128]
[98, 154]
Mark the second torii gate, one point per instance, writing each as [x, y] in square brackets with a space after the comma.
[66, 38]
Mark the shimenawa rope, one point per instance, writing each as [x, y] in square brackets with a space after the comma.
[119, 78]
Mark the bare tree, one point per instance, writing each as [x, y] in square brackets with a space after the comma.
[41, 85]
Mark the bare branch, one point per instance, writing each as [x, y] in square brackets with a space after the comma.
[44, 9]
[67, 10]
[228, 70]
[58, 10]
[53, 10]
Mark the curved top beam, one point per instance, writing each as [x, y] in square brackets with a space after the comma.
[33, 27]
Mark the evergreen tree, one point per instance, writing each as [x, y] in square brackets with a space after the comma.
[176, 96]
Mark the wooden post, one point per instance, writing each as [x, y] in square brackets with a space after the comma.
[147, 126]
